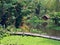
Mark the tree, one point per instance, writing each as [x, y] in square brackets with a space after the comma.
[57, 3]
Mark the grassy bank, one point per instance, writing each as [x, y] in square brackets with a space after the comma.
[27, 40]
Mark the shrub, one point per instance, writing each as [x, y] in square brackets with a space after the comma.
[3, 33]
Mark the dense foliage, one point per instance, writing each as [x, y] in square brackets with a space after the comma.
[34, 16]
[16, 12]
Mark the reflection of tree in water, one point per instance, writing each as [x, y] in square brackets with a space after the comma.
[56, 20]
[18, 21]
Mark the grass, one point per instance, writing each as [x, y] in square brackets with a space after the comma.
[27, 40]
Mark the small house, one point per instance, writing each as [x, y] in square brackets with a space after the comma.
[45, 17]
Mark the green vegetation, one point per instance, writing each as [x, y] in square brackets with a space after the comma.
[15, 13]
[27, 40]
[35, 16]
[12, 12]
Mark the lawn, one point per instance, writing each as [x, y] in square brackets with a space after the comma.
[27, 40]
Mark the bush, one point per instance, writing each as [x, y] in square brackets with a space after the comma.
[55, 14]
[3, 33]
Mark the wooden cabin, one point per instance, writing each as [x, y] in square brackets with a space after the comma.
[45, 17]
